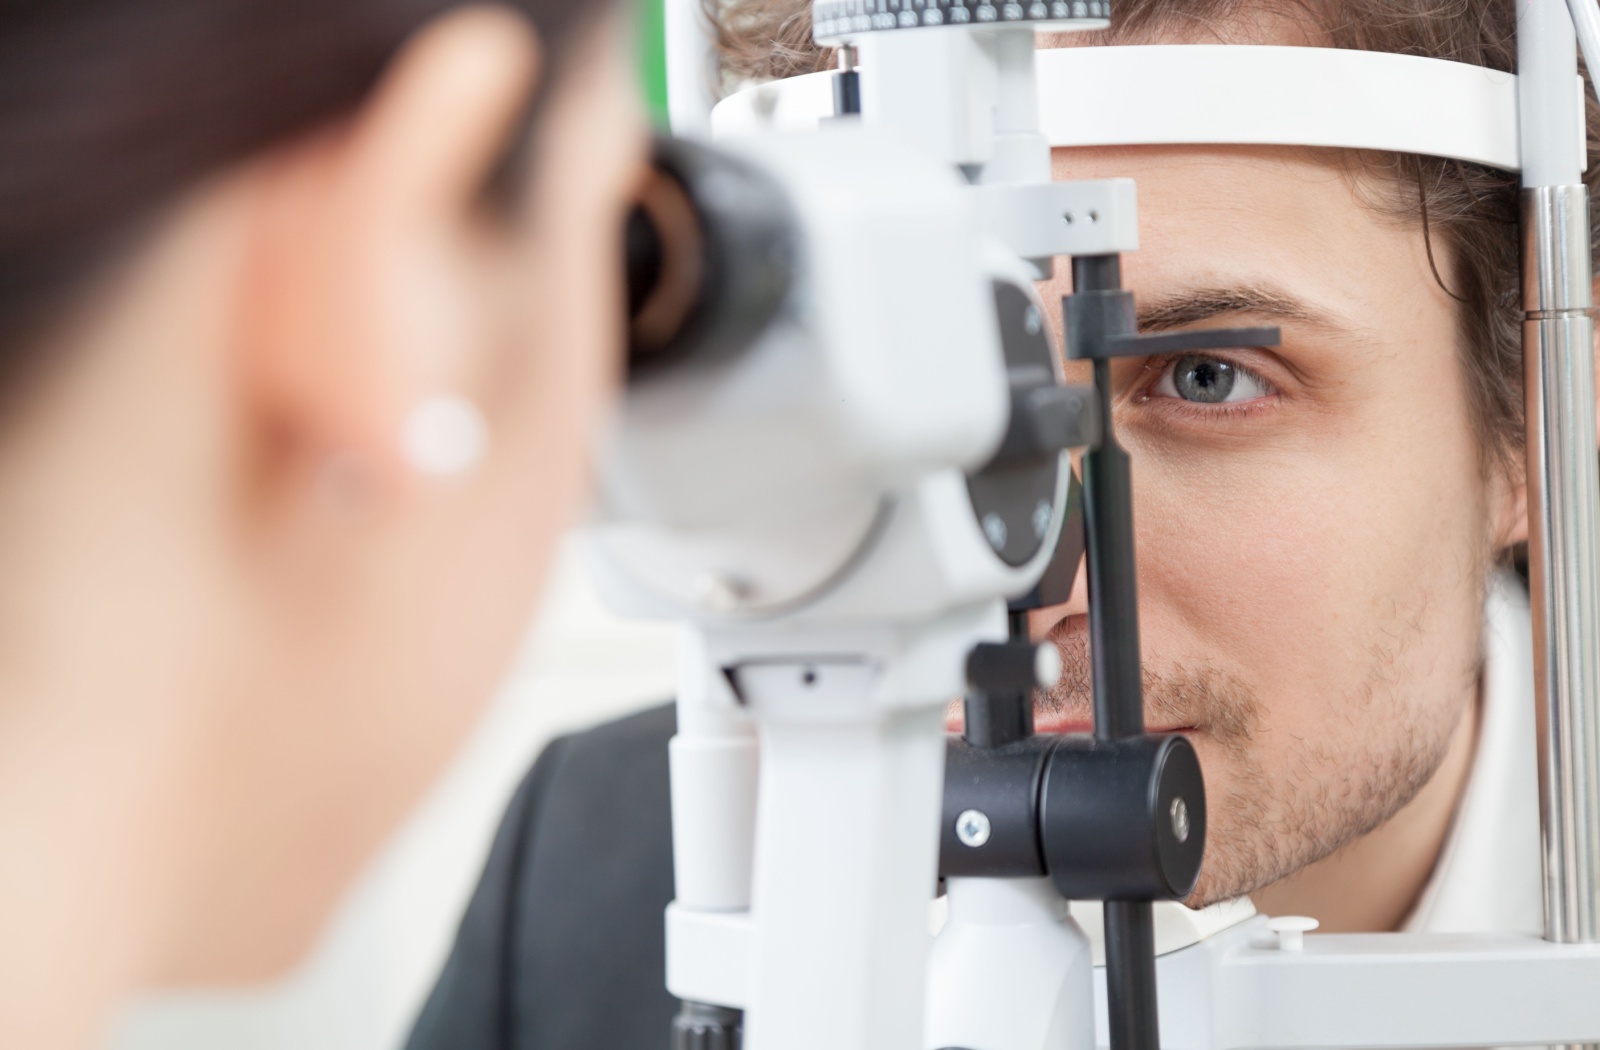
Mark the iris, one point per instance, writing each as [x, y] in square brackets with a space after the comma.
[1203, 379]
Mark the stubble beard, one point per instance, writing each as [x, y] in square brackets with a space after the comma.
[1263, 827]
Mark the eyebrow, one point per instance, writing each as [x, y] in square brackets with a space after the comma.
[1164, 312]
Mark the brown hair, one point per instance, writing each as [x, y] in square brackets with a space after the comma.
[1469, 212]
[110, 108]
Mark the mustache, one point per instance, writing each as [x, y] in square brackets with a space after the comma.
[1185, 694]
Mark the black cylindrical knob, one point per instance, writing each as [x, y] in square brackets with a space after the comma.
[1013, 667]
[701, 1026]
[990, 825]
[1123, 819]
[996, 719]
[1047, 418]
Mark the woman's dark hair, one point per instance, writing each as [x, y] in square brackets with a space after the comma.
[110, 108]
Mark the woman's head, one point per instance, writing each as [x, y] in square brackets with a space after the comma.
[248, 249]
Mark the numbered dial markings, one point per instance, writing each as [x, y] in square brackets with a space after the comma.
[833, 19]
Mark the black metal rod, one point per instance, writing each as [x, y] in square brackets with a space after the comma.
[1131, 976]
[1108, 524]
[1118, 690]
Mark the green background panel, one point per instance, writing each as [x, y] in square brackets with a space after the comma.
[653, 59]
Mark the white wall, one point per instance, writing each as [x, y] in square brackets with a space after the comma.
[363, 984]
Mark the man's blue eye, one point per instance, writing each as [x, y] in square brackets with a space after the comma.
[1209, 381]
[1203, 379]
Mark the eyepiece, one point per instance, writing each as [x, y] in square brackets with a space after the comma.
[711, 257]
[666, 267]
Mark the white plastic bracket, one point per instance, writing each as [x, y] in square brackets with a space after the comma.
[1097, 217]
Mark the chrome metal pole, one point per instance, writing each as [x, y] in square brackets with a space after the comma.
[1563, 468]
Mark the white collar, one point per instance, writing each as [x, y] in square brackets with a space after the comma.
[1488, 877]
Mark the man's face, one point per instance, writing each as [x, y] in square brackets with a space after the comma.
[1313, 521]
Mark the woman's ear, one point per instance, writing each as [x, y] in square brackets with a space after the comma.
[366, 294]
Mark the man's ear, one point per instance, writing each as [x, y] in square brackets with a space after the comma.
[364, 292]
[1509, 495]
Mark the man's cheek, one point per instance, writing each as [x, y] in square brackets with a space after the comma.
[1217, 764]
[1239, 793]
[1260, 578]
[1242, 572]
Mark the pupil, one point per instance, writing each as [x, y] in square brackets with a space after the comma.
[1203, 379]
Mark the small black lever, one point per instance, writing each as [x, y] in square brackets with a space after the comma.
[1100, 325]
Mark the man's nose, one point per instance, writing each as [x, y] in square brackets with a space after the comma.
[1077, 604]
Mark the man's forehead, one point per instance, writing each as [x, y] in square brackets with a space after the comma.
[1289, 235]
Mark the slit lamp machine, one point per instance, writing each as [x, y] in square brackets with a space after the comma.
[843, 465]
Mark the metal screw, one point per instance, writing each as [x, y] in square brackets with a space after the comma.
[1042, 512]
[1180, 819]
[972, 827]
[994, 527]
[1094, 216]
[1068, 217]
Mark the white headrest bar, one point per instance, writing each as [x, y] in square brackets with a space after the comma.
[1171, 94]
[1279, 96]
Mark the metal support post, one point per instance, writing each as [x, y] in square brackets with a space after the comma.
[1563, 470]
